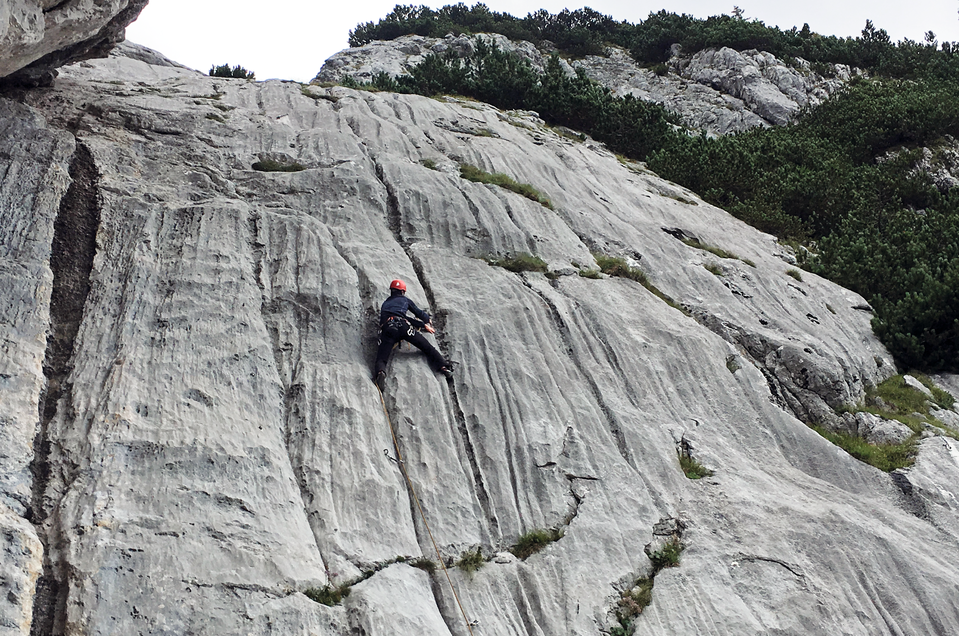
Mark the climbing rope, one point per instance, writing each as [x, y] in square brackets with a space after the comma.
[409, 482]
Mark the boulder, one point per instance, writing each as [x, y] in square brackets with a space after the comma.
[875, 429]
[917, 385]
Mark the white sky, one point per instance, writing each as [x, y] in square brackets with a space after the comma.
[290, 39]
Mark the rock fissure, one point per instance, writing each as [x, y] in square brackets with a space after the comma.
[612, 422]
[576, 497]
[394, 218]
[292, 391]
[481, 491]
[793, 569]
[72, 252]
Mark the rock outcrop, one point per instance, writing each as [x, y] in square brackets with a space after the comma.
[38, 36]
[718, 91]
[196, 337]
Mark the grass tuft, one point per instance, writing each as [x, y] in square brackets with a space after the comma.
[903, 400]
[520, 262]
[534, 541]
[328, 594]
[667, 556]
[617, 266]
[633, 601]
[631, 604]
[795, 273]
[943, 399]
[715, 251]
[885, 457]
[472, 173]
[692, 468]
[714, 269]
[471, 560]
[732, 363]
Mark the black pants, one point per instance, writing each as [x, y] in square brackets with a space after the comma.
[390, 335]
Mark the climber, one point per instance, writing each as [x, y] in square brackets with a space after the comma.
[396, 326]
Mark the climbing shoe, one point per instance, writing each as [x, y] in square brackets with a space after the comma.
[448, 372]
[378, 380]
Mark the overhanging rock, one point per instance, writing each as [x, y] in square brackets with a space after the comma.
[38, 36]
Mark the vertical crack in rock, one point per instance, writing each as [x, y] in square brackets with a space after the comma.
[577, 498]
[395, 220]
[71, 260]
[612, 421]
[291, 391]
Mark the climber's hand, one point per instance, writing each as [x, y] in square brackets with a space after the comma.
[429, 328]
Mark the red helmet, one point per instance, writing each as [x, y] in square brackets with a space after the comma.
[398, 284]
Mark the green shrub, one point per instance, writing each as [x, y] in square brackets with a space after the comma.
[520, 262]
[795, 273]
[534, 541]
[631, 604]
[429, 163]
[633, 601]
[224, 70]
[471, 560]
[667, 556]
[472, 173]
[269, 165]
[328, 594]
[590, 273]
[714, 269]
[692, 468]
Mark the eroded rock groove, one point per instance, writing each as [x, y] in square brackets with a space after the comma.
[71, 260]
[612, 421]
[395, 220]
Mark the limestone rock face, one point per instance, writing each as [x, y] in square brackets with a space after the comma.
[37, 36]
[21, 556]
[719, 91]
[190, 340]
[769, 88]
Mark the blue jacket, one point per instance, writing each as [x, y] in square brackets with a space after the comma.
[397, 305]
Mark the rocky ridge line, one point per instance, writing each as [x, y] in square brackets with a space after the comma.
[719, 91]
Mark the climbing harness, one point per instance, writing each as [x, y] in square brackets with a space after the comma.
[399, 460]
